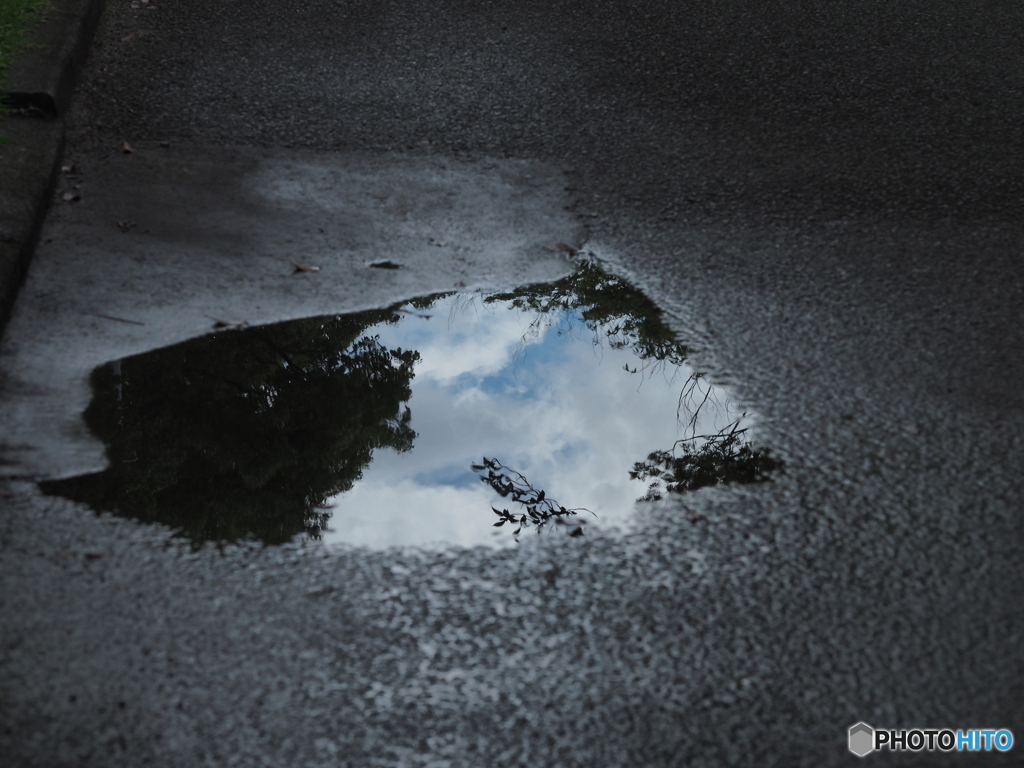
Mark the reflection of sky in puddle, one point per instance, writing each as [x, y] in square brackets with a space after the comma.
[550, 401]
[362, 428]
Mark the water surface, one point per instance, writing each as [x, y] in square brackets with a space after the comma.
[378, 428]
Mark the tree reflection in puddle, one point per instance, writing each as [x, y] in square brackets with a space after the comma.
[246, 432]
[274, 431]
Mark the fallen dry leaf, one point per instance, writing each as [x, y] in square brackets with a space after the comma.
[71, 197]
[561, 247]
[129, 37]
[126, 148]
[305, 267]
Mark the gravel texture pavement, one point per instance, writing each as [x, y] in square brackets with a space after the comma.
[826, 199]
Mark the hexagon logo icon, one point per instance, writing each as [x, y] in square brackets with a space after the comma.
[862, 738]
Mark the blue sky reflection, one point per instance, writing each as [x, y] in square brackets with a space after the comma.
[539, 393]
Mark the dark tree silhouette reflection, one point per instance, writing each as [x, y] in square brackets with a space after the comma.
[618, 314]
[702, 461]
[614, 311]
[246, 432]
[535, 507]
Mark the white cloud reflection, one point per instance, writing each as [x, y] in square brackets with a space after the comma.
[551, 405]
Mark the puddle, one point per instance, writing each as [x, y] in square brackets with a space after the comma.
[458, 419]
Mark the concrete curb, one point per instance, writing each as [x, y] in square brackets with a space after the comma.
[29, 163]
[43, 75]
[39, 84]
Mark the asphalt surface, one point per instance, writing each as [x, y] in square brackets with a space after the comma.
[826, 199]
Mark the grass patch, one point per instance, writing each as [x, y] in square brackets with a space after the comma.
[16, 18]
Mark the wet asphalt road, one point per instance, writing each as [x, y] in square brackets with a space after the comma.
[827, 198]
